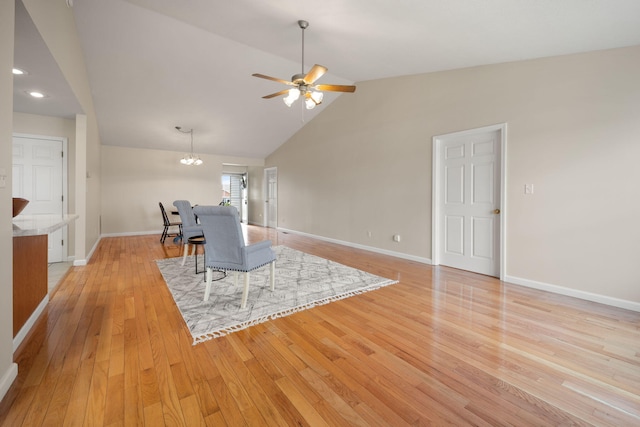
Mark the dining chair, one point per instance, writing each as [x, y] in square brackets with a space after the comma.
[226, 250]
[168, 224]
[190, 226]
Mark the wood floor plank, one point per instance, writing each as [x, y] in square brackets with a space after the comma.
[441, 347]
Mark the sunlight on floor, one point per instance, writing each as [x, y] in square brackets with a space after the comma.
[56, 272]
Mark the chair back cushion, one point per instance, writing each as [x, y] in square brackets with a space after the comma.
[190, 226]
[223, 233]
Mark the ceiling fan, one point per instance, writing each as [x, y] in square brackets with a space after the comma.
[304, 84]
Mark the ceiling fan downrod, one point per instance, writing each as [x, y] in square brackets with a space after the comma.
[303, 25]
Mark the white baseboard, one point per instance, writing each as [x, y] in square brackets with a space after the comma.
[7, 379]
[602, 299]
[132, 233]
[17, 340]
[358, 246]
[81, 262]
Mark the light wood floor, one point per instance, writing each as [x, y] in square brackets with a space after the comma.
[440, 347]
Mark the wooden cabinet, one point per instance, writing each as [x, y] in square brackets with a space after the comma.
[30, 281]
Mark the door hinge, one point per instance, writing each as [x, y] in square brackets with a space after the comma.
[61, 242]
[62, 198]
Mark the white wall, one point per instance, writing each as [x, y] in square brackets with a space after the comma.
[573, 132]
[8, 369]
[135, 180]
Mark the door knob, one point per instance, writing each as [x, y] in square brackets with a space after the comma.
[496, 211]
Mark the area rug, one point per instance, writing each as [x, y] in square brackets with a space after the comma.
[302, 281]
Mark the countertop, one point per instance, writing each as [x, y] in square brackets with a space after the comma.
[33, 225]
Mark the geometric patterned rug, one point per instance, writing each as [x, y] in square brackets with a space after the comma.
[302, 281]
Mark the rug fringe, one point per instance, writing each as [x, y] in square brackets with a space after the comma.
[283, 313]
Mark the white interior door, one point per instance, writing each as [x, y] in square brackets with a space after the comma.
[467, 216]
[271, 197]
[38, 177]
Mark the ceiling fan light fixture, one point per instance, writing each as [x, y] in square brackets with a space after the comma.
[294, 94]
[310, 104]
[304, 83]
[312, 99]
[317, 97]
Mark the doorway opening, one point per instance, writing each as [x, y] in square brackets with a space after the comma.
[270, 191]
[234, 193]
[39, 168]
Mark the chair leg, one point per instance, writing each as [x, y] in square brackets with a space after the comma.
[164, 234]
[207, 290]
[235, 278]
[245, 292]
[273, 276]
[186, 252]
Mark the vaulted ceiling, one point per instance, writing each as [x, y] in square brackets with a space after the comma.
[157, 64]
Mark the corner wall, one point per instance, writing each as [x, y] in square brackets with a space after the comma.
[56, 24]
[8, 369]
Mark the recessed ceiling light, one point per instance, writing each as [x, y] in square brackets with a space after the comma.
[36, 94]
[19, 72]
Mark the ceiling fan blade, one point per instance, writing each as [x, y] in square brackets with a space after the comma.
[273, 95]
[314, 74]
[336, 88]
[275, 79]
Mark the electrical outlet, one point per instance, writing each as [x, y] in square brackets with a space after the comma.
[369, 234]
[396, 238]
[528, 189]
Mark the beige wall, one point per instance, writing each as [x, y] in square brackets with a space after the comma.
[135, 180]
[573, 131]
[8, 369]
[256, 195]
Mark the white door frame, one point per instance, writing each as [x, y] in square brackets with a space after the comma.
[437, 197]
[265, 192]
[65, 173]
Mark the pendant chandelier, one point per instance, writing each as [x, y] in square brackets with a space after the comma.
[190, 159]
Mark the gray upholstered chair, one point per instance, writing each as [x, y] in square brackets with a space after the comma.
[190, 227]
[225, 248]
